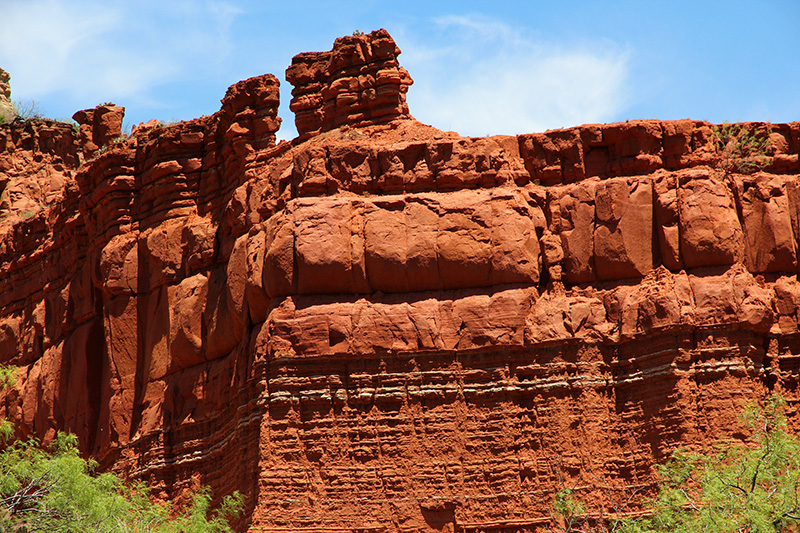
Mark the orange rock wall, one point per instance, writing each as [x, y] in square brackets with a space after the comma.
[88, 287]
[390, 328]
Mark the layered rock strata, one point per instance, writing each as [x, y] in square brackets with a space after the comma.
[359, 82]
[391, 328]
[37, 161]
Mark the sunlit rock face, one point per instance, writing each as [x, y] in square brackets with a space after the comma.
[358, 83]
[381, 326]
[7, 109]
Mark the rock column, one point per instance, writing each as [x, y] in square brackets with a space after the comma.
[7, 109]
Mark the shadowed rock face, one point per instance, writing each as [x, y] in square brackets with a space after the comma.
[387, 327]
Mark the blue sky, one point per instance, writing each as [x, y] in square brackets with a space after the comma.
[479, 67]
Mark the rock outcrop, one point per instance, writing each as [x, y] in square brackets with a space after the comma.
[358, 83]
[7, 109]
[99, 127]
[387, 327]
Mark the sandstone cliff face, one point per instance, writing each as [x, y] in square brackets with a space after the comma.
[382, 326]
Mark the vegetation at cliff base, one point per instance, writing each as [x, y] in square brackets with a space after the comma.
[751, 487]
[53, 489]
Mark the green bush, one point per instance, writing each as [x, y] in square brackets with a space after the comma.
[751, 487]
[741, 150]
[53, 489]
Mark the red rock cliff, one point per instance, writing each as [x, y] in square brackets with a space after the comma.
[389, 327]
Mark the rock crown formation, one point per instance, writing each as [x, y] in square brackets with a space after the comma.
[358, 83]
[98, 127]
[385, 327]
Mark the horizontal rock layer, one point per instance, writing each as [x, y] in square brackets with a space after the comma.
[388, 327]
[441, 332]
[479, 440]
[359, 82]
[643, 146]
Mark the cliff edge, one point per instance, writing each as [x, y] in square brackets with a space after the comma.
[383, 327]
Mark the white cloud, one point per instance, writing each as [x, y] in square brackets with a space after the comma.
[38, 39]
[91, 52]
[487, 77]
[473, 74]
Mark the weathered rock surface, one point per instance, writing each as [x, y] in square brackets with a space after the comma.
[99, 126]
[359, 82]
[37, 162]
[387, 327]
[7, 109]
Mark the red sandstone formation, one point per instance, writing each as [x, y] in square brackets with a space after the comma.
[358, 83]
[390, 328]
[99, 126]
[37, 160]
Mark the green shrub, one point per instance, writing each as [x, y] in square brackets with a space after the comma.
[53, 489]
[753, 488]
[740, 149]
[749, 487]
